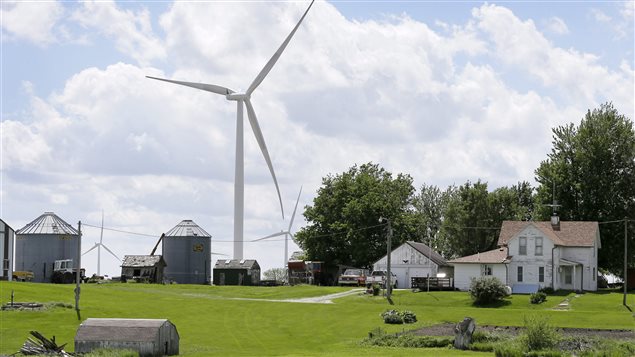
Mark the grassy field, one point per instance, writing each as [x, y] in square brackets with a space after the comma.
[211, 321]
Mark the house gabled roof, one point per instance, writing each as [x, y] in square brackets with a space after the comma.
[495, 256]
[237, 264]
[187, 228]
[48, 223]
[571, 233]
[428, 252]
[140, 261]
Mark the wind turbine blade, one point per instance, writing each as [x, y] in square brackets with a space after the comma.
[110, 251]
[214, 253]
[202, 86]
[292, 237]
[101, 235]
[294, 209]
[272, 61]
[263, 147]
[270, 236]
[95, 246]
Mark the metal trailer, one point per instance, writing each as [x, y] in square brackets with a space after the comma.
[187, 250]
[43, 241]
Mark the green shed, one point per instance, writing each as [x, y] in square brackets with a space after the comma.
[236, 272]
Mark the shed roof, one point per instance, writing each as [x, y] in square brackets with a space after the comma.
[495, 256]
[187, 228]
[123, 330]
[236, 264]
[428, 252]
[47, 223]
[142, 260]
[571, 233]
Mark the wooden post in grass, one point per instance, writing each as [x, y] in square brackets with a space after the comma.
[78, 269]
[625, 260]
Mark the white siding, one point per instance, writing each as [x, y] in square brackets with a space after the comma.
[531, 262]
[464, 272]
[407, 262]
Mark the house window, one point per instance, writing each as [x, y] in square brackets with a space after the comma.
[522, 246]
[567, 275]
[5, 264]
[520, 274]
[594, 274]
[136, 272]
[541, 274]
[486, 269]
[539, 246]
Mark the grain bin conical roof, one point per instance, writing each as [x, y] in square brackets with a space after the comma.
[48, 223]
[187, 228]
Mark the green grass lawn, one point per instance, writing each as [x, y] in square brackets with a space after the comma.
[211, 322]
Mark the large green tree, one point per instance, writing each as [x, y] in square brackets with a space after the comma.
[343, 222]
[430, 205]
[474, 215]
[591, 173]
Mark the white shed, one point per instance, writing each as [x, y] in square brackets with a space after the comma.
[414, 259]
[149, 337]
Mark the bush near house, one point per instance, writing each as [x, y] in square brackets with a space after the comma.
[538, 297]
[487, 290]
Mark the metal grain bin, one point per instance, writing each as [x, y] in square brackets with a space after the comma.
[149, 337]
[187, 252]
[40, 243]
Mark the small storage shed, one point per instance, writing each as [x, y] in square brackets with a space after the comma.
[148, 268]
[149, 337]
[7, 239]
[237, 272]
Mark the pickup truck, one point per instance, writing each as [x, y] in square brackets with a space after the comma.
[379, 277]
[355, 277]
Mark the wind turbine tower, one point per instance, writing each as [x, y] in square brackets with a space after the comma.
[244, 100]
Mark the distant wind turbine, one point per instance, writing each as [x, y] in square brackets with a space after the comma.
[245, 98]
[286, 233]
[99, 246]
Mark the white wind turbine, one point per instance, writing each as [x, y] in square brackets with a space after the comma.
[286, 233]
[99, 246]
[244, 98]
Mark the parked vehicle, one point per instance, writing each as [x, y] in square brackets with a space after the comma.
[355, 277]
[379, 277]
[23, 275]
[64, 273]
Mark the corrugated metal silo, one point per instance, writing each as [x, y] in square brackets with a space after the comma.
[187, 250]
[40, 243]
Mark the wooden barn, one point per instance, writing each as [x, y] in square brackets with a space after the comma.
[149, 337]
[237, 272]
[145, 268]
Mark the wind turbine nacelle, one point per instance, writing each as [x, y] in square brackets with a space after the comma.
[237, 96]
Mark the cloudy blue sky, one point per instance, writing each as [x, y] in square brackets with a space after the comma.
[444, 91]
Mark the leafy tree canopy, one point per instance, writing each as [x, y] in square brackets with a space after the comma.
[592, 167]
[343, 225]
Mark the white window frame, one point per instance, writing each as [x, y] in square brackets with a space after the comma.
[538, 239]
[522, 246]
[487, 270]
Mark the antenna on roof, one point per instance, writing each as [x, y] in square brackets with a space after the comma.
[555, 220]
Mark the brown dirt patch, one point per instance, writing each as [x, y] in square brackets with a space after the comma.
[447, 329]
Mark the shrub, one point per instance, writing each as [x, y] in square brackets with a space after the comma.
[508, 350]
[378, 337]
[396, 317]
[376, 289]
[108, 352]
[537, 298]
[547, 290]
[408, 317]
[392, 317]
[538, 334]
[486, 290]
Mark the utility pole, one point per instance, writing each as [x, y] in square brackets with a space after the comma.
[388, 251]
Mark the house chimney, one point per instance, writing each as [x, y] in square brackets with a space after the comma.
[555, 222]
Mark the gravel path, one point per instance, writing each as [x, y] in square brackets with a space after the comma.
[324, 299]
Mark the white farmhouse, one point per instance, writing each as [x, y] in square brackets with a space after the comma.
[413, 259]
[532, 255]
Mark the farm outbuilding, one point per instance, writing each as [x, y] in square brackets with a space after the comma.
[146, 268]
[187, 250]
[237, 272]
[7, 239]
[43, 241]
[149, 337]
